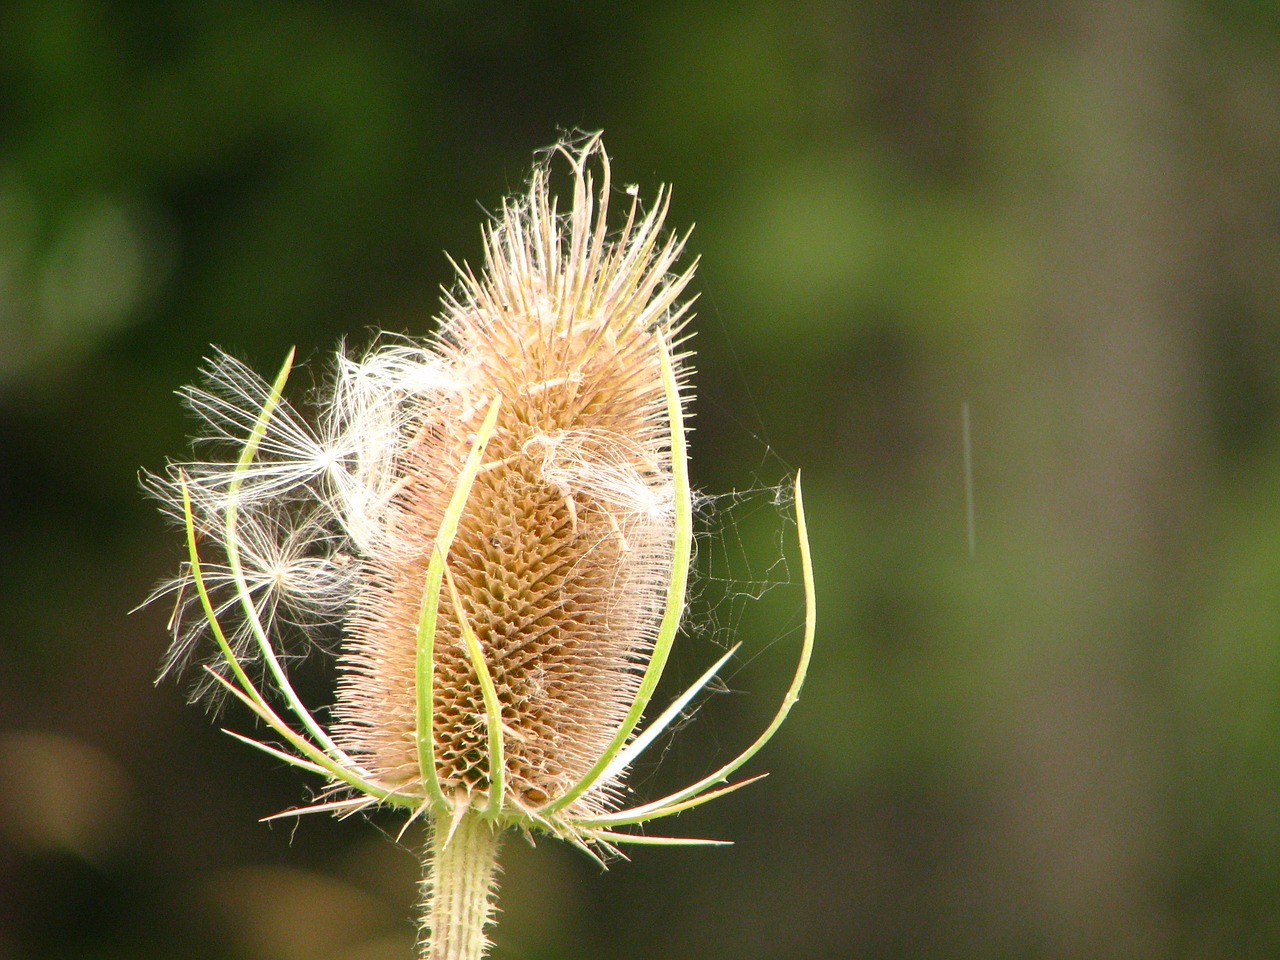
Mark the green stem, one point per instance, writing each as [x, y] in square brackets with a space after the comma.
[459, 887]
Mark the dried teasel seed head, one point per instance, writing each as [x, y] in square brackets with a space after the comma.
[496, 523]
[563, 550]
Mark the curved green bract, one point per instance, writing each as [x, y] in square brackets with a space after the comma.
[670, 624]
[317, 759]
[237, 571]
[697, 793]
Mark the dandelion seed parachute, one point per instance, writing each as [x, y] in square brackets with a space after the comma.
[498, 523]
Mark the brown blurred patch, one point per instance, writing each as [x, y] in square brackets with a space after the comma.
[59, 794]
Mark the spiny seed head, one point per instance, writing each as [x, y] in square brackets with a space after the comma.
[562, 559]
[492, 529]
[563, 551]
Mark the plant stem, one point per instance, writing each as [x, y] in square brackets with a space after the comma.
[459, 887]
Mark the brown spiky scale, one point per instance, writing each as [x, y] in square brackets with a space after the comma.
[563, 553]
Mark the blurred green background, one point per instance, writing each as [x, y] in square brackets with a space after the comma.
[1066, 217]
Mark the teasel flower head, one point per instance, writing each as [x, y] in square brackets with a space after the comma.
[491, 530]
